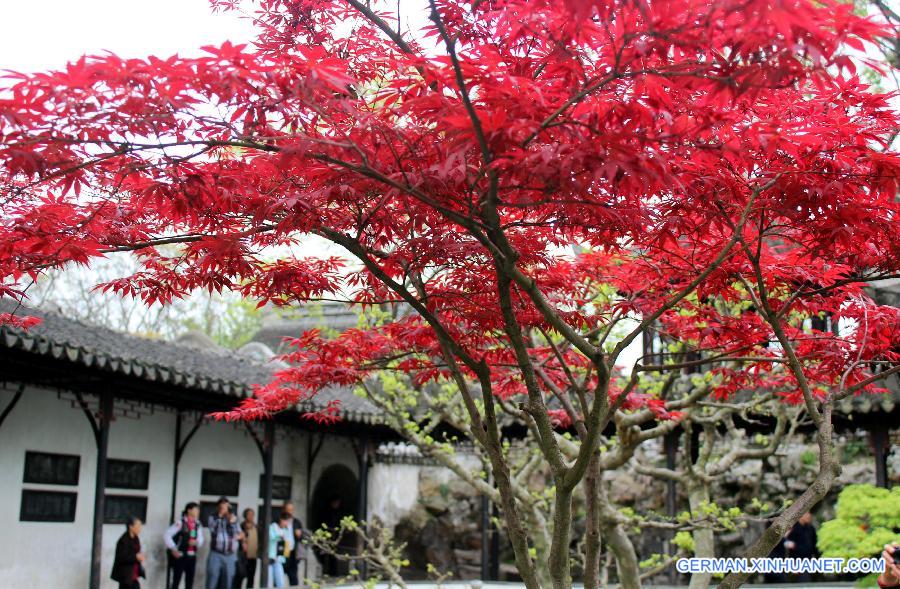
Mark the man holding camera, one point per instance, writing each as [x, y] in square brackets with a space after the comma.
[224, 535]
[891, 575]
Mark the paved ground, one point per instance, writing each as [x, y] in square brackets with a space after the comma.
[497, 585]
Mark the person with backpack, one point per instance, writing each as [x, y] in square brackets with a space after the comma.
[295, 529]
[183, 539]
[249, 550]
[281, 543]
[224, 535]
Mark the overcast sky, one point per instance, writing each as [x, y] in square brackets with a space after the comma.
[45, 34]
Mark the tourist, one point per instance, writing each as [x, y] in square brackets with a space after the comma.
[281, 543]
[891, 575]
[128, 564]
[249, 550]
[800, 542]
[295, 529]
[224, 534]
[183, 539]
[778, 552]
[331, 519]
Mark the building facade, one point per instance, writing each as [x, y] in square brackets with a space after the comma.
[154, 451]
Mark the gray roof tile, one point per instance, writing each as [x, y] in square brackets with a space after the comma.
[208, 369]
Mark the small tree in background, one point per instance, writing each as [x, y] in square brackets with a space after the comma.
[719, 166]
[866, 518]
[225, 317]
[721, 446]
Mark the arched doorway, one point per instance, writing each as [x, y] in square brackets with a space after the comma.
[336, 495]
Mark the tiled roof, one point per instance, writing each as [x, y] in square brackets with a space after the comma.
[873, 402]
[208, 369]
[331, 316]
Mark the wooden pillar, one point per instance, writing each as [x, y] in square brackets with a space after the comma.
[177, 457]
[490, 539]
[495, 546]
[670, 448]
[180, 446]
[879, 436]
[174, 490]
[101, 434]
[268, 451]
[12, 404]
[362, 508]
[311, 453]
[485, 538]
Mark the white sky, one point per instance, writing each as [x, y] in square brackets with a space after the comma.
[45, 34]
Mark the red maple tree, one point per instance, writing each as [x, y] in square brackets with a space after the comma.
[539, 183]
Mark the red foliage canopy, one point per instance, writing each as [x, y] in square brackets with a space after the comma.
[716, 164]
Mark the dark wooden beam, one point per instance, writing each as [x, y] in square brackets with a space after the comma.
[670, 448]
[485, 538]
[21, 366]
[268, 453]
[361, 448]
[880, 438]
[12, 404]
[101, 428]
[311, 454]
[179, 448]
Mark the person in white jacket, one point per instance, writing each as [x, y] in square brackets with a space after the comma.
[183, 538]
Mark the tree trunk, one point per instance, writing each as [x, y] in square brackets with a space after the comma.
[704, 547]
[560, 573]
[829, 470]
[540, 543]
[592, 533]
[619, 543]
[626, 558]
[517, 534]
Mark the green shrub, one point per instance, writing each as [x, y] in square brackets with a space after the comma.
[866, 518]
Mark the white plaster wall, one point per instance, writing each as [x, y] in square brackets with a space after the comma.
[38, 555]
[150, 438]
[393, 491]
[394, 487]
[41, 554]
